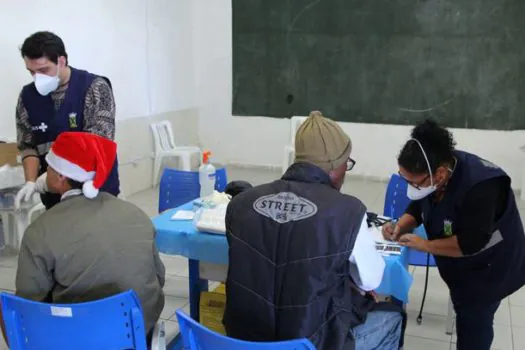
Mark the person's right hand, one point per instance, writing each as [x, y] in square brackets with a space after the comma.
[25, 193]
[390, 232]
[29, 189]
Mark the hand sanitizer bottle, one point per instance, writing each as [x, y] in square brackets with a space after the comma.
[206, 176]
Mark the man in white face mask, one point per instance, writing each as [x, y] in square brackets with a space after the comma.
[474, 228]
[60, 98]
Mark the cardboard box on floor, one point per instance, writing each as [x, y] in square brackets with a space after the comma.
[9, 154]
[212, 307]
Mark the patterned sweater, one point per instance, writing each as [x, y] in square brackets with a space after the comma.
[99, 115]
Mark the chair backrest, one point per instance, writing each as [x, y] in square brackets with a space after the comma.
[221, 179]
[163, 136]
[396, 202]
[111, 323]
[417, 258]
[197, 337]
[178, 187]
[295, 123]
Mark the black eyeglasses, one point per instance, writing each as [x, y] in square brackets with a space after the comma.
[413, 184]
[350, 164]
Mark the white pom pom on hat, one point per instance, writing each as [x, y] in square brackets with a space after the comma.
[89, 190]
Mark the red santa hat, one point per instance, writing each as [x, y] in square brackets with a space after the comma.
[83, 157]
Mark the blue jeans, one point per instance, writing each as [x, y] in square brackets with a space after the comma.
[381, 331]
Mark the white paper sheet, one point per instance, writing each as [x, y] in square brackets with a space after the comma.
[183, 215]
[378, 236]
[382, 245]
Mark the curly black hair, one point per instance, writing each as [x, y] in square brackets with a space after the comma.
[437, 142]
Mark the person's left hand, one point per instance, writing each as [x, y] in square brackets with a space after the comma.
[373, 294]
[414, 241]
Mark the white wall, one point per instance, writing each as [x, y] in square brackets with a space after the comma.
[144, 46]
[260, 141]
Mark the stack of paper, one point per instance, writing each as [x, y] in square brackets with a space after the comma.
[382, 245]
[212, 220]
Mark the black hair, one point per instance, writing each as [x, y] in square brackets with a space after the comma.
[437, 142]
[75, 185]
[43, 44]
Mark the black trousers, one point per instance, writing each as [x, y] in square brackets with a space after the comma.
[474, 325]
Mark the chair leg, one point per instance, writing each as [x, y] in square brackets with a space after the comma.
[420, 316]
[285, 160]
[21, 226]
[156, 170]
[450, 318]
[6, 226]
[158, 341]
[185, 160]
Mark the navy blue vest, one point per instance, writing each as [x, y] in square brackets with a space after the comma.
[288, 277]
[495, 272]
[48, 123]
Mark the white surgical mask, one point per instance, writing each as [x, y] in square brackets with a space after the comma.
[414, 193]
[419, 193]
[45, 84]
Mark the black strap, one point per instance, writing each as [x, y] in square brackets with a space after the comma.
[391, 307]
[29, 156]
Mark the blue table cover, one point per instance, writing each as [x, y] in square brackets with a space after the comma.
[182, 238]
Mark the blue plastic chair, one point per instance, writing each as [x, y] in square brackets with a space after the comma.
[111, 323]
[197, 337]
[396, 202]
[178, 187]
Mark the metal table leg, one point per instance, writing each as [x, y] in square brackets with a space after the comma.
[196, 287]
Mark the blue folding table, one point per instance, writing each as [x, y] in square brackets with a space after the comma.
[182, 238]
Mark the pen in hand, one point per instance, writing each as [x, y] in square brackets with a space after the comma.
[394, 223]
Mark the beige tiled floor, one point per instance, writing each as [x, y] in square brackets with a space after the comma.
[430, 335]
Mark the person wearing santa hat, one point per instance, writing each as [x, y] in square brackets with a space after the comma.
[79, 163]
[92, 244]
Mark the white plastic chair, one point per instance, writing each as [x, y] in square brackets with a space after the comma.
[165, 147]
[289, 150]
[15, 223]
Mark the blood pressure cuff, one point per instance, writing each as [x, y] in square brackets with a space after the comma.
[372, 219]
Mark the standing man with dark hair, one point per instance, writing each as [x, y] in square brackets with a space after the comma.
[61, 98]
[474, 227]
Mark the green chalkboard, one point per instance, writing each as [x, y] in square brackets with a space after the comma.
[382, 61]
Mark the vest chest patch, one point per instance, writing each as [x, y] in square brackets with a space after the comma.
[73, 120]
[447, 228]
[285, 207]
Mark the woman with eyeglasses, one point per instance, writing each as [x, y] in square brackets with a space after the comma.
[474, 228]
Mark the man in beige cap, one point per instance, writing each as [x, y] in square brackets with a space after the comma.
[302, 263]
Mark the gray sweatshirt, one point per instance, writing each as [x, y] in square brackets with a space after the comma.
[86, 249]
